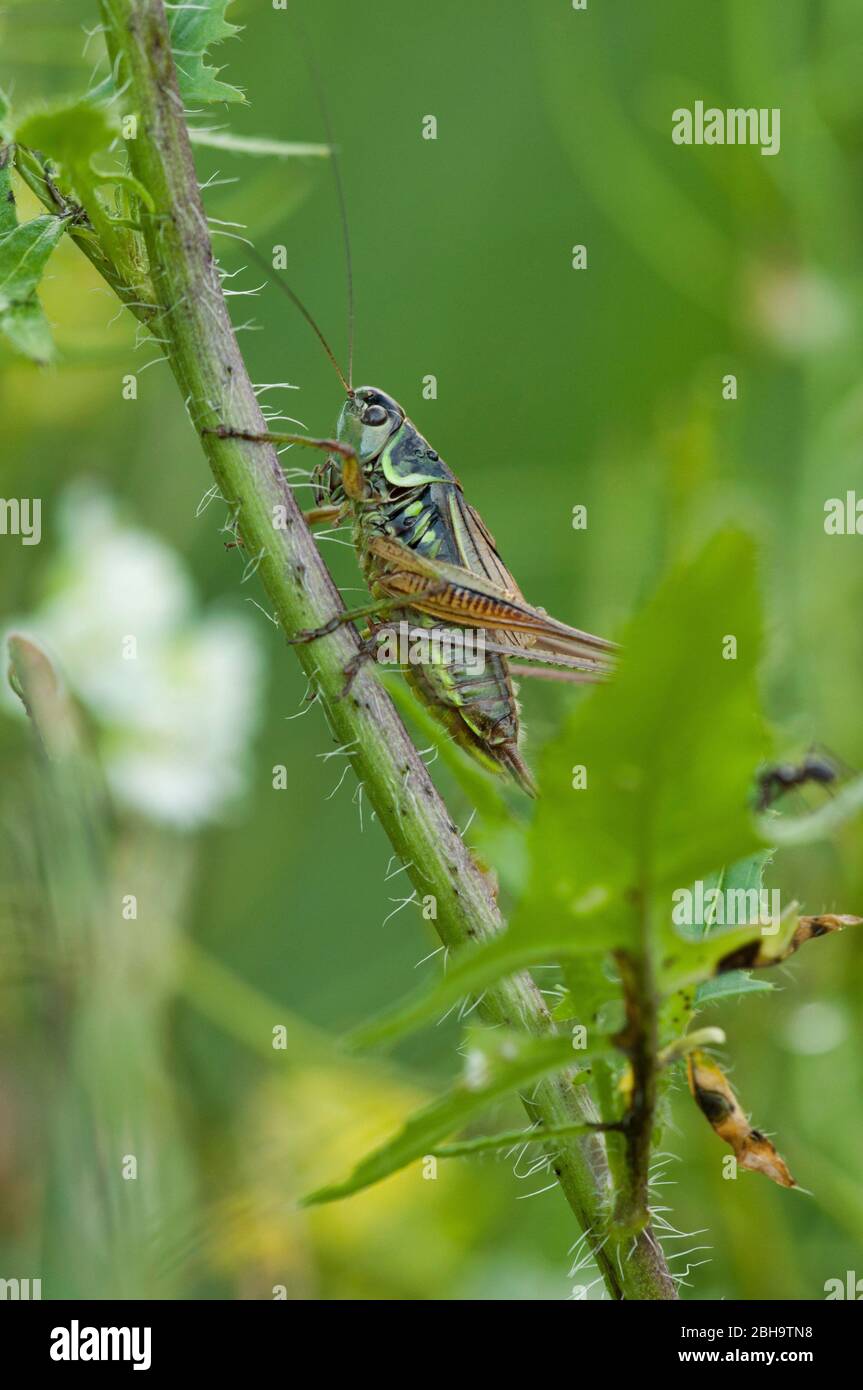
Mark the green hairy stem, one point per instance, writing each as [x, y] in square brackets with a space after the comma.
[192, 322]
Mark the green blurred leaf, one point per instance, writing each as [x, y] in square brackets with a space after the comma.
[669, 748]
[590, 988]
[495, 1064]
[28, 330]
[70, 132]
[257, 145]
[470, 973]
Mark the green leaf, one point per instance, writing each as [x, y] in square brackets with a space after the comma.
[733, 983]
[195, 27]
[72, 134]
[698, 960]
[690, 954]
[669, 748]
[28, 330]
[590, 988]
[471, 972]
[24, 252]
[8, 214]
[496, 1062]
[510, 1138]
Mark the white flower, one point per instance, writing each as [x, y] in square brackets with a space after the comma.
[175, 696]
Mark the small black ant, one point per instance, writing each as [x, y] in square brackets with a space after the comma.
[781, 777]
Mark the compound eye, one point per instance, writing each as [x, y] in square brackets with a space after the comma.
[375, 415]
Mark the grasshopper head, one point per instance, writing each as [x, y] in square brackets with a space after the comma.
[367, 420]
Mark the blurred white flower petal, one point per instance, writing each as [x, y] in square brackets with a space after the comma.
[177, 705]
[815, 1027]
[798, 311]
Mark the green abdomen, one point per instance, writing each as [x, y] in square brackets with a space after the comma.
[477, 705]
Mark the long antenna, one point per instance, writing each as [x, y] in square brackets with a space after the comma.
[298, 303]
[340, 188]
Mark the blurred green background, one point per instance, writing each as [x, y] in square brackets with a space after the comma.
[555, 387]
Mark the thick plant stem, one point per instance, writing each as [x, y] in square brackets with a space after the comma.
[639, 1040]
[194, 325]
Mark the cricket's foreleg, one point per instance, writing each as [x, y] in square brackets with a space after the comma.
[314, 517]
[352, 474]
[332, 446]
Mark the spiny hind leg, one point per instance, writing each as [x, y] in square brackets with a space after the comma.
[369, 646]
[367, 652]
[352, 474]
[378, 608]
